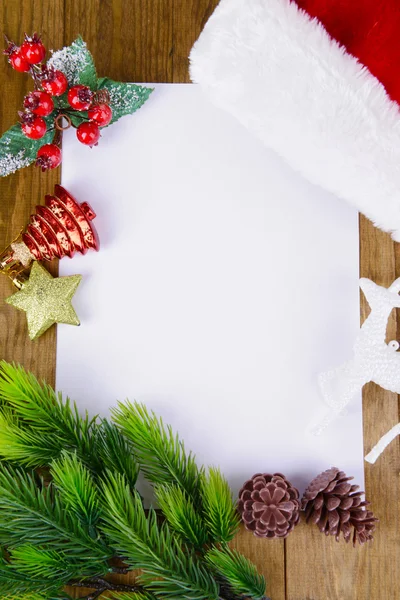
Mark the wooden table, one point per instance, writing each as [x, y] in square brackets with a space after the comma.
[149, 41]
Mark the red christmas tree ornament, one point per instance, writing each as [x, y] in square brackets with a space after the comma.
[60, 227]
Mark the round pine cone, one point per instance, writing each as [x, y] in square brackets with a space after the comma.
[336, 507]
[269, 505]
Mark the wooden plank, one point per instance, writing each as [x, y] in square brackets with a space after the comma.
[190, 17]
[131, 40]
[269, 558]
[20, 192]
[319, 567]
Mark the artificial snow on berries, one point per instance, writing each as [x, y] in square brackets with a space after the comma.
[39, 103]
[33, 127]
[88, 133]
[48, 157]
[101, 114]
[32, 50]
[67, 93]
[54, 82]
[80, 97]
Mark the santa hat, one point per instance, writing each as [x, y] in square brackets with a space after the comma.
[282, 73]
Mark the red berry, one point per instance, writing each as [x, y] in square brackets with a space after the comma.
[88, 133]
[39, 103]
[48, 157]
[18, 63]
[34, 127]
[101, 114]
[54, 82]
[80, 97]
[32, 50]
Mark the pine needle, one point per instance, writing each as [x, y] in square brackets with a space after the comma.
[77, 488]
[33, 514]
[220, 511]
[160, 453]
[43, 415]
[18, 586]
[240, 573]
[24, 446]
[169, 568]
[181, 514]
[116, 452]
[34, 561]
[133, 596]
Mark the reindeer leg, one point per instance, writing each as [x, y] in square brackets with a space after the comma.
[382, 444]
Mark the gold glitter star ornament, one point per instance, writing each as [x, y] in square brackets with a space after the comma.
[46, 300]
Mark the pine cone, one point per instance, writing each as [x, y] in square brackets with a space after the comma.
[269, 505]
[336, 507]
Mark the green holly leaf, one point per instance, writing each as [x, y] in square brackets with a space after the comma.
[78, 117]
[77, 64]
[125, 98]
[18, 151]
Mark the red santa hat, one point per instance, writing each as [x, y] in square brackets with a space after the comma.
[316, 80]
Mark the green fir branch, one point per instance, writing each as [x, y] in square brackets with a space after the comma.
[219, 509]
[16, 586]
[37, 562]
[87, 516]
[181, 514]
[77, 487]
[34, 514]
[239, 572]
[169, 567]
[160, 453]
[116, 452]
[31, 596]
[146, 595]
[41, 414]
[22, 445]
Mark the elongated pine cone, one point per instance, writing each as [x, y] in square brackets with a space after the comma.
[269, 505]
[336, 507]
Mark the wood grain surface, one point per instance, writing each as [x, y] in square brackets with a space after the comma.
[149, 41]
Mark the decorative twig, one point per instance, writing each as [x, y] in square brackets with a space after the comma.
[120, 570]
[103, 585]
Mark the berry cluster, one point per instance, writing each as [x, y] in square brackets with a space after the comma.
[50, 85]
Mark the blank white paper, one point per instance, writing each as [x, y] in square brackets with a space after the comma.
[224, 284]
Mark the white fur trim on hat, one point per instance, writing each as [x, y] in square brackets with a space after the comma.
[283, 77]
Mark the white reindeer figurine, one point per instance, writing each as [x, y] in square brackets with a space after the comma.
[373, 360]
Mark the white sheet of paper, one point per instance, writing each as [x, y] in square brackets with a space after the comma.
[224, 284]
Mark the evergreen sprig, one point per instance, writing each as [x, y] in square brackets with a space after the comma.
[77, 487]
[181, 514]
[32, 513]
[36, 424]
[220, 511]
[238, 571]
[70, 513]
[115, 452]
[152, 547]
[160, 453]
